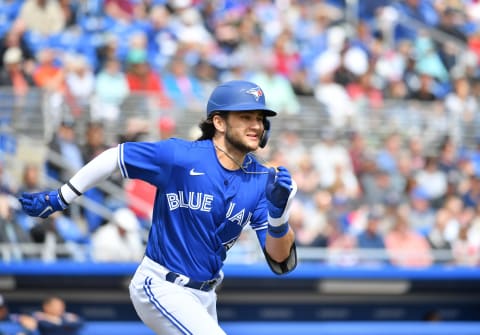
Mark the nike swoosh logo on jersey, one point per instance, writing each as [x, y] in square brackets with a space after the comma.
[195, 173]
[49, 208]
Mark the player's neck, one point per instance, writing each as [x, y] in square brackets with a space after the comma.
[229, 158]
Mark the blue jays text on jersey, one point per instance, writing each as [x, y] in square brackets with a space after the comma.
[200, 207]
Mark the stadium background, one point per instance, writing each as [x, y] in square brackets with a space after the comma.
[367, 93]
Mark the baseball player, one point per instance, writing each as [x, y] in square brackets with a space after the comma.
[208, 190]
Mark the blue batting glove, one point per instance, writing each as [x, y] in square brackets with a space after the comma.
[42, 204]
[279, 186]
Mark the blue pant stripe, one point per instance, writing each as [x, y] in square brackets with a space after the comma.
[161, 309]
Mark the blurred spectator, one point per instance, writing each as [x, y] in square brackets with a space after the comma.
[338, 159]
[44, 17]
[371, 237]
[342, 251]
[465, 252]
[70, 11]
[53, 319]
[107, 50]
[455, 208]
[301, 83]
[10, 231]
[30, 182]
[358, 151]
[336, 101]
[191, 32]
[26, 324]
[450, 23]
[425, 91]
[421, 10]
[304, 234]
[448, 158]
[403, 176]
[306, 177]
[291, 144]
[396, 90]
[363, 92]
[317, 218]
[429, 63]
[437, 235]
[140, 197]
[207, 75]
[405, 246]
[162, 42]
[181, 86]
[3, 309]
[287, 56]
[95, 143]
[471, 197]
[378, 187]
[421, 215]
[389, 153]
[278, 90]
[49, 76]
[136, 129]
[120, 10]
[123, 236]
[69, 155]
[433, 181]
[142, 79]
[80, 84]
[111, 90]
[167, 127]
[15, 38]
[461, 107]
[415, 148]
[13, 74]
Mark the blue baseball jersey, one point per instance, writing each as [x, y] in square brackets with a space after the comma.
[200, 207]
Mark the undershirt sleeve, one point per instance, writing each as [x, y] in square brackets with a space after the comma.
[97, 170]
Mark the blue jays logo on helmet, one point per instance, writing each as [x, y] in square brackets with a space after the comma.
[238, 95]
[256, 92]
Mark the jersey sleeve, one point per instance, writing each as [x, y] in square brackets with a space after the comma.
[148, 161]
[259, 221]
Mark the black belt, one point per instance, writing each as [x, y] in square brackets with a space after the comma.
[206, 286]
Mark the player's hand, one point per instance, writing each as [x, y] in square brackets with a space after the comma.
[279, 186]
[42, 204]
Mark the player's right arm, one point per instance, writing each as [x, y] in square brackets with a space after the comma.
[42, 204]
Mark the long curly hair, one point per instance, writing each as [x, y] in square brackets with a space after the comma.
[207, 128]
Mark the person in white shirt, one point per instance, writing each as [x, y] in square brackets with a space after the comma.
[119, 240]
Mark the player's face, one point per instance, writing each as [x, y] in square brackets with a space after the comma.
[244, 130]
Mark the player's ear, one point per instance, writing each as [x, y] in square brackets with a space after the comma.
[219, 123]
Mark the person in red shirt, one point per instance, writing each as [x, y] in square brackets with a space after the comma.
[142, 79]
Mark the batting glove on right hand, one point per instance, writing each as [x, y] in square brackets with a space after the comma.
[279, 186]
[42, 204]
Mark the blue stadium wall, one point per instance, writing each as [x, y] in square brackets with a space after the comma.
[251, 293]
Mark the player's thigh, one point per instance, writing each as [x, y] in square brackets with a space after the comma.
[169, 309]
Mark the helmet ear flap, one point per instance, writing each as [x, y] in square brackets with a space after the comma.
[266, 133]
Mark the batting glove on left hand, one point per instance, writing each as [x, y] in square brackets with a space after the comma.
[42, 204]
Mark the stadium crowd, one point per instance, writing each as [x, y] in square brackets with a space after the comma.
[408, 193]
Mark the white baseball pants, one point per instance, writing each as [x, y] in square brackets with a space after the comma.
[172, 309]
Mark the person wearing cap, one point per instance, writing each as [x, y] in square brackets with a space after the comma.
[124, 240]
[208, 190]
[371, 237]
[12, 74]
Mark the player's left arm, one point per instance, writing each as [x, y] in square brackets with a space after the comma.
[280, 250]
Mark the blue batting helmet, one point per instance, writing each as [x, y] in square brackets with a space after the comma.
[237, 95]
